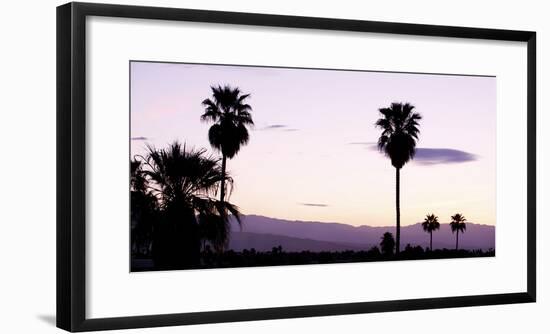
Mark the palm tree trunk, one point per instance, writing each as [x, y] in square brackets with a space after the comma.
[431, 240]
[222, 191]
[457, 240]
[397, 213]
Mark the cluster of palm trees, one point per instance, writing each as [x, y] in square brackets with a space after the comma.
[431, 224]
[175, 212]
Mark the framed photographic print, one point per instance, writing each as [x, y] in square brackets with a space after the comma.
[220, 166]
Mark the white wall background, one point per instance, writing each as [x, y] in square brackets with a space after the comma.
[27, 165]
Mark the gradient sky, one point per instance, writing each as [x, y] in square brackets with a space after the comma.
[311, 153]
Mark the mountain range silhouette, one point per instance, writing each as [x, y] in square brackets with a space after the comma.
[264, 233]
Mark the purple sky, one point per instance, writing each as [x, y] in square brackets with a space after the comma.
[311, 153]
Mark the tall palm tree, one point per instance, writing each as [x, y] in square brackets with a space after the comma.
[430, 224]
[231, 116]
[183, 181]
[458, 224]
[400, 131]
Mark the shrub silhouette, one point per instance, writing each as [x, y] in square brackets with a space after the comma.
[387, 244]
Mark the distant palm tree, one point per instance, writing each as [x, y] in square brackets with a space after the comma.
[231, 116]
[400, 131]
[387, 244]
[430, 224]
[458, 224]
[183, 181]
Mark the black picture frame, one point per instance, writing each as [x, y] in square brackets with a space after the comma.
[71, 168]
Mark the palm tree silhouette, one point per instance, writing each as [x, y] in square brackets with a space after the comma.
[143, 211]
[231, 116]
[387, 244]
[214, 230]
[183, 181]
[430, 224]
[400, 131]
[458, 224]
[138, 182]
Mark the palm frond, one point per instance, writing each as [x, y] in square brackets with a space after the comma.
[430, 223]
[211, 111]
[458, 223]
[231, 116]
[400, 131]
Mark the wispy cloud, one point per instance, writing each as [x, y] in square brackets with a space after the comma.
[140, 138]
[280, 127]
[274, 126]
[319, 205]
[436, 156]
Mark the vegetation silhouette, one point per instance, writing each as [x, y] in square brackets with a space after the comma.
[387, 245]
[280, 257]
[231, 116]
[430, 224]
[178, 222]
[458, 224]
[400, 132]
[182, 181]
[144, 210]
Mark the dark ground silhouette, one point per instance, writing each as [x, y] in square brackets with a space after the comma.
[278, 257]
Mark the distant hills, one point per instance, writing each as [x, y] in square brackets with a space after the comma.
[265, 242]
[264, 233]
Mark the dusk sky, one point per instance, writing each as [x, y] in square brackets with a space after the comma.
[311, 154]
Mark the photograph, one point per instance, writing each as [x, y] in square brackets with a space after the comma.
[246, 166]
